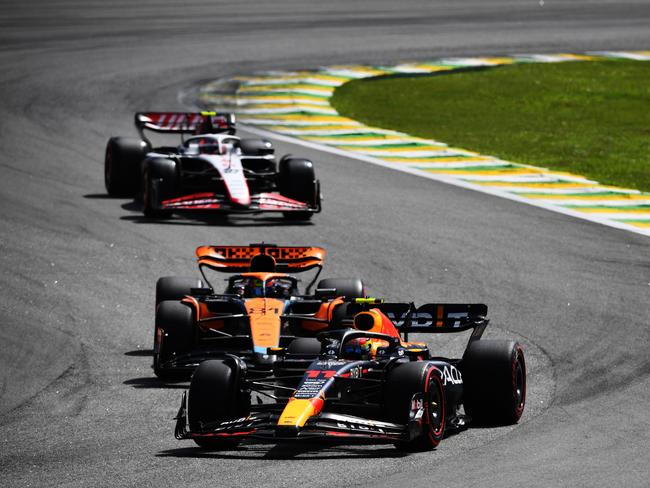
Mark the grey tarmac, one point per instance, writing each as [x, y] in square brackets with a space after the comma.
[78, 402]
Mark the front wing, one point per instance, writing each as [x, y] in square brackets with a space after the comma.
[262, 202]
[262, 426]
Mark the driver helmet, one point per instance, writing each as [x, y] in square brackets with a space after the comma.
[255, 287]
[360, 348]
[208, 146]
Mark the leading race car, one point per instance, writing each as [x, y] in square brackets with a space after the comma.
[367, 384]
[212, 170]
[259, 308]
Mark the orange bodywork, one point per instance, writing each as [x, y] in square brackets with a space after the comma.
[202, 314]
[264, 315]
[265, 322]
[325, 312]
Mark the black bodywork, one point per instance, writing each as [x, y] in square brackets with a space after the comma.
[355, 393]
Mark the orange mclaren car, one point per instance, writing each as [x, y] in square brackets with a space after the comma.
[260, 308]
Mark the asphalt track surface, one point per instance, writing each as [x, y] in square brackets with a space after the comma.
[79, 405]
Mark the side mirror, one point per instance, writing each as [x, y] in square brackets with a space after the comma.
[276, 351]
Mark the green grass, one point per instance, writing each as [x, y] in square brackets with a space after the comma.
[590, 118]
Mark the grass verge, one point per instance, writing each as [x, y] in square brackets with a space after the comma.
[591, 118]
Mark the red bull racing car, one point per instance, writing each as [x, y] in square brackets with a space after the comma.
[195, 322]
[363, 382]
[211, 170]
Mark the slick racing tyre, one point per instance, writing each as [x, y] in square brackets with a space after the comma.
[258, 155]
[122, 165]
[418, 380]
[304, 346]
[174, 335]
[345, 287]
[175, 287]
[256, 147]
[216, 395]
[297, 181]
[494, 370]
[160, 183]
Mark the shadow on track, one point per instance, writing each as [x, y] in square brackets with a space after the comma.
[102, 196]
[140, 353]
[152, 382]
[148, 382]
[300, 451]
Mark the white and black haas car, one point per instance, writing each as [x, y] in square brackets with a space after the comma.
[211, 170]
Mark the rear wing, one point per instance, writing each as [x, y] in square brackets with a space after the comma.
[237, 259]
[437, 317]
[185, 122]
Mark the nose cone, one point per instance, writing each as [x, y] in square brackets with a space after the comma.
[296, 414]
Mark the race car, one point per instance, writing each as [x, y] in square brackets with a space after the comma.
[257, 310]
[211, 170]
[367, 384]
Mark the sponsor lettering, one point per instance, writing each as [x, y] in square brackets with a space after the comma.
[360, 427]
[450, 374]
[335, 363]
[425, 319]
[355, 372]
[310, 387]
[237, 421]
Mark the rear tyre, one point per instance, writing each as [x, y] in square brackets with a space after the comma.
[496, 370]
[122, 165]
[345, 287]
[174, 335]
[216, 395]
[160, 183]
[297, 181]
[175, 287]
[403, 383]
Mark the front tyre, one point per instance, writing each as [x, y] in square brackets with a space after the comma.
[413, 382]
[174, 335]
[494, 370]
[160, 184]
[122, 165]
[297, 180]
[216, 395]
[175, 287]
